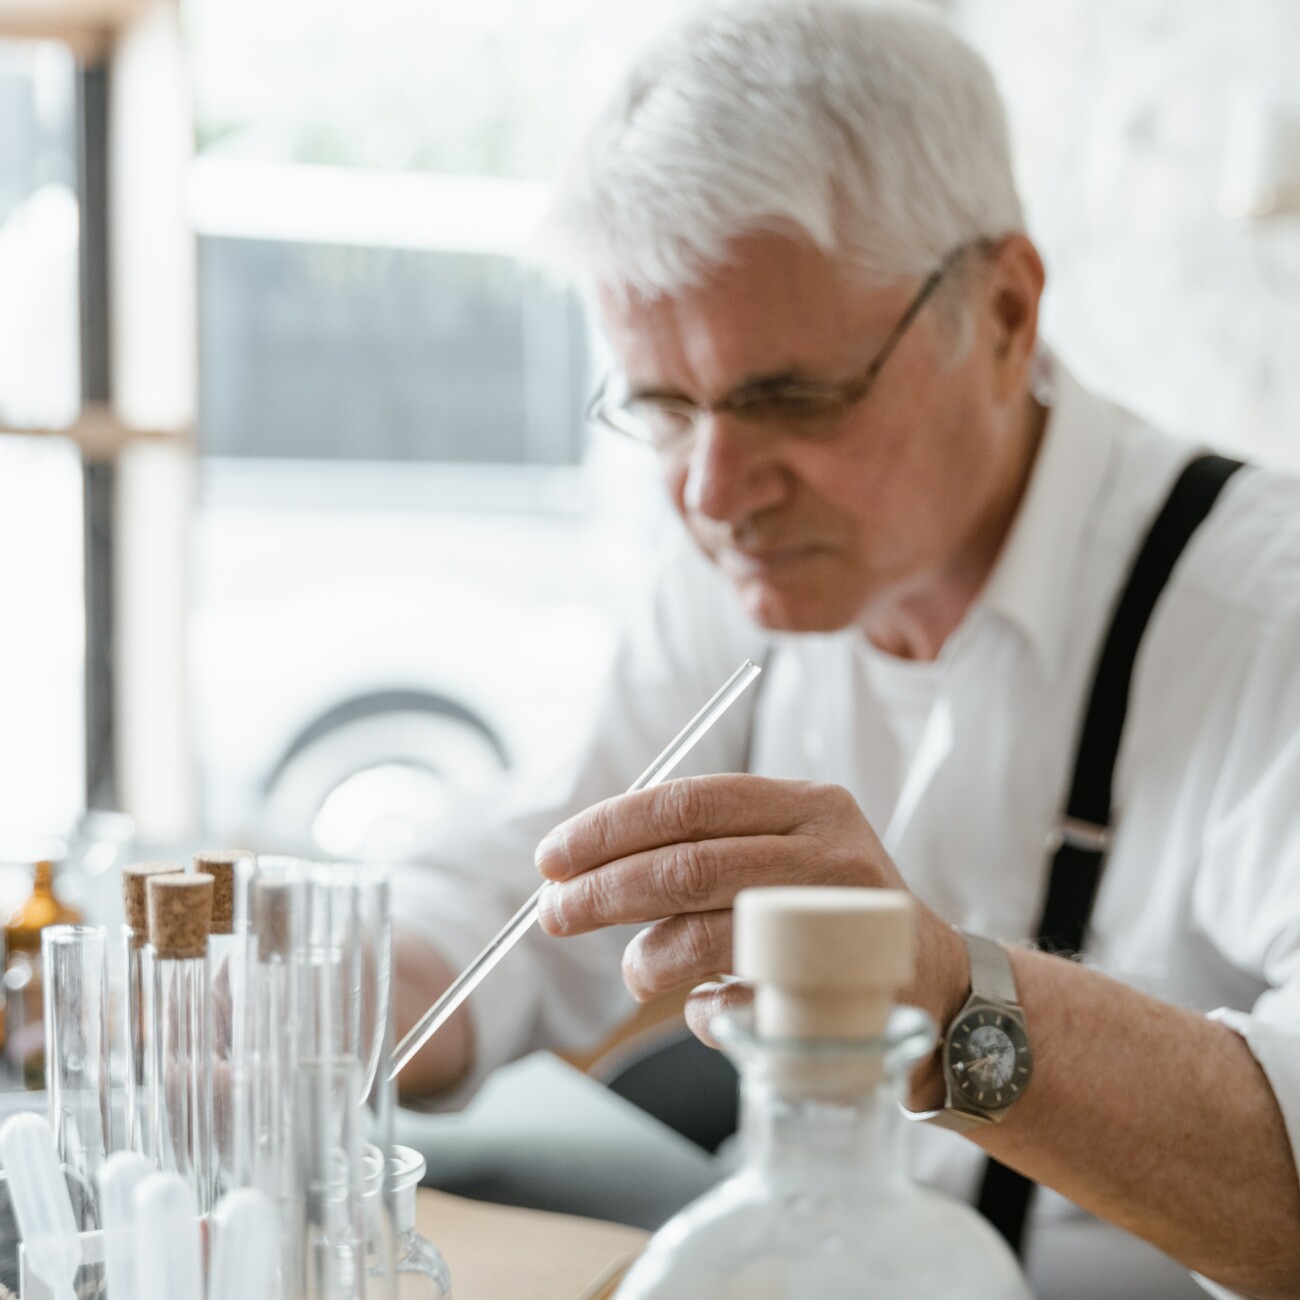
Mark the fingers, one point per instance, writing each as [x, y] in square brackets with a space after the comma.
[709, 1001]
[698, 876]
[677, 952]
[694, 808]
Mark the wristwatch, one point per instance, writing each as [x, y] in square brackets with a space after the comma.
[987, 1060]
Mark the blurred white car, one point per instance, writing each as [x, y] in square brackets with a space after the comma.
[407, 567]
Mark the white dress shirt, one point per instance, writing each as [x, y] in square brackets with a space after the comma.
[963, 765]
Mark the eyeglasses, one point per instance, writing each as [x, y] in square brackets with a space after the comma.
[805, 411]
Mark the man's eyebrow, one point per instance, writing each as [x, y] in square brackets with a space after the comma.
[792, 375]
[649, 392]
[764, 383]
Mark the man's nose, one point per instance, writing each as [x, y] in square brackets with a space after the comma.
[732, 472]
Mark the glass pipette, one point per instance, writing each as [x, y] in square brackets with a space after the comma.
[518, 925]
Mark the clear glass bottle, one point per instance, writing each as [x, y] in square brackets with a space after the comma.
[821, 1208]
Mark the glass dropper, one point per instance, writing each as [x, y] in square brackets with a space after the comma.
[518, 925]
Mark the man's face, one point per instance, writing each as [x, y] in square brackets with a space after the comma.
[817, 535]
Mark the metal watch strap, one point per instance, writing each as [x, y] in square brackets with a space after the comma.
[957, 1121]
[991, 978]
[990, 969]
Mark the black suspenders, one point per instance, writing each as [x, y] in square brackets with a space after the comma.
[1084, 831]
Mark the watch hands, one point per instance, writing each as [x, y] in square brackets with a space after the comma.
[986, 1067]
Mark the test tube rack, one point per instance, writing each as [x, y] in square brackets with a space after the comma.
[31, 1287]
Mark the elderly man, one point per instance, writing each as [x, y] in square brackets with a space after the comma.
[799, 227]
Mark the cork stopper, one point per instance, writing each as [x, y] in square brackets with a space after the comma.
[273, 910]
[180, 914]
[825, 962]
[225, 867]
[135, 896]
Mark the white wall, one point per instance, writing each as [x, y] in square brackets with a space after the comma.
[1119, 112]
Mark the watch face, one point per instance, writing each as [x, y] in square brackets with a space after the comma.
[988, 1059]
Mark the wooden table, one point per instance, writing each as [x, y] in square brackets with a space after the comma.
[496, 1252]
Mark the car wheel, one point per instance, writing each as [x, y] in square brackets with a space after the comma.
[374, 775]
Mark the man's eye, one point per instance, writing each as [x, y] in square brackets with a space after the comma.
[660, 420]
[789, 404]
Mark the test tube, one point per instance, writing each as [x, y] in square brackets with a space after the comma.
[346, 1015]
[348, 954]
[264, 1150]
[77, 1058]
[227, 959]
[138, 1001]
[379, 1090]
[329, 1234]
[180, 1112]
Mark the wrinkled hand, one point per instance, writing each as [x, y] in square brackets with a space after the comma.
[675, 856]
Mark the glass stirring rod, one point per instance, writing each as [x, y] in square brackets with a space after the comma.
[519, 924]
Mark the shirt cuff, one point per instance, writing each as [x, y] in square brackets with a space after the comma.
[1278, 1052]
[1277, 1049]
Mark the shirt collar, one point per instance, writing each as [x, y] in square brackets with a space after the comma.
[1030, 582]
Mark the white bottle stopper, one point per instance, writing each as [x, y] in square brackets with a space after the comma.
[825, 962]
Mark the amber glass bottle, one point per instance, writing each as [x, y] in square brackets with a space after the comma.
[23, 1003]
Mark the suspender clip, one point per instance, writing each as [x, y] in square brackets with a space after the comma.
[1079, 834]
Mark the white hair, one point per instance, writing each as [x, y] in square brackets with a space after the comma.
[874, 131]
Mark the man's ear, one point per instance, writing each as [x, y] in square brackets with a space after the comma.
[1013, 288]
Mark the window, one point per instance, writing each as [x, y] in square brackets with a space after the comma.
[41, 572]
[39, 381]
